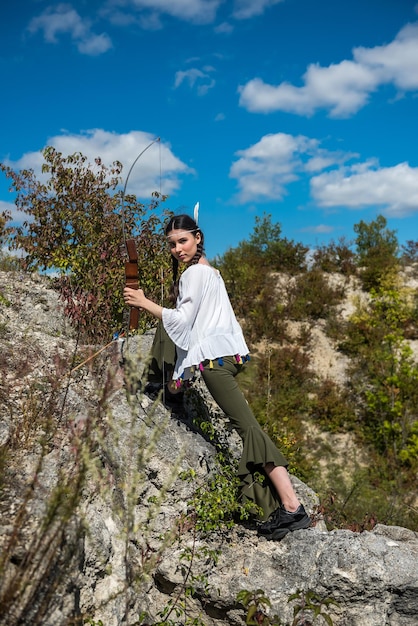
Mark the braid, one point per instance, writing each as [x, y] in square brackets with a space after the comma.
[198, 255]
[174, 289]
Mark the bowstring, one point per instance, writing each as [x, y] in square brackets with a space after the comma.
[162, 298]
[126, 184]
[122, 212]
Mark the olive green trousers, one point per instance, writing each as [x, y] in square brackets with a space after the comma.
[258, 449]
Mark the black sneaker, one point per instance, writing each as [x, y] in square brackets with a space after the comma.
[173, 400]
[170, 400]
[281, 522]
[152, 390]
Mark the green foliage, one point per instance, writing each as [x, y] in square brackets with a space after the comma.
[368, 495]
[7, 261]
[409, 257]
[246, 269]
[335, 257]
[193, 584]
[255, 603]
[410, 252]
[311, 605]
[278, 253]
[332, 408]
[385, 374]
[265, 316]
[74, 228]
[4, 301]
[392, 400]
[409, 452]
[311, 296]
[309, 608]
[5, 217]
[378, 405]
[308, 296]
[215, 505]
[283, 376]
[377, 248]
[280, 393]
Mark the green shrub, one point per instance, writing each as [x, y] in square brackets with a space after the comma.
[370, 495]
[311, 296]
[384, 374]
[377, 249]
[409, 252]
[335, 257]
[247, 268]
[333, 408]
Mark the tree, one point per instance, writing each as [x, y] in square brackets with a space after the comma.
[384, 372]
[377, 249]
[409, 257]
[278, 253]
[410, 251]
[247, 268]
[335, 257]
[4, 219]
[6, 260]
[74, 229]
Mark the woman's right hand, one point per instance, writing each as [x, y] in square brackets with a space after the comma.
[134, 297]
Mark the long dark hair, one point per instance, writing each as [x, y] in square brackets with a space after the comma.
[187, 223]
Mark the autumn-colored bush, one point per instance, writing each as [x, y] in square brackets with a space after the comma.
[76, 228]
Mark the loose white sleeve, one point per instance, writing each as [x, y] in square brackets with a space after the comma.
[178, 322]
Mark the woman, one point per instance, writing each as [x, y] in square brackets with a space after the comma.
[207, 336]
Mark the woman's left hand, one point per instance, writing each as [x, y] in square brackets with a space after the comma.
[134, 297]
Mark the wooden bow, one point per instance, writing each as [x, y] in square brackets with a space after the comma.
[132, 279]
[131, 266]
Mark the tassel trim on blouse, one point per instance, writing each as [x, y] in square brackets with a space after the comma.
[240, 360]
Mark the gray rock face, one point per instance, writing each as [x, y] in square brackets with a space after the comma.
[373, 576]
[139, 551]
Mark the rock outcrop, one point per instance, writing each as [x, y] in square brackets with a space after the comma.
[136, 552]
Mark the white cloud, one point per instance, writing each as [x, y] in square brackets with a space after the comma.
[196, 78]
[392, 189]
[395, 63]
[16, 216]
[225, 28]
[151, 12]
[322, 159]
[145, 176]
[63, 19]
[94, 45]
[194, 11]
[341, 88]
[264, 169]
[245, 9]
[319, 229]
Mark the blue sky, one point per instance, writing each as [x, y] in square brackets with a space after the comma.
[307, 110]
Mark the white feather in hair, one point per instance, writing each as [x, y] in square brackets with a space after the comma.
[196, 212]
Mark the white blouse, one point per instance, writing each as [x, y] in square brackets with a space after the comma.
[203, 324]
